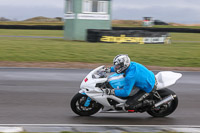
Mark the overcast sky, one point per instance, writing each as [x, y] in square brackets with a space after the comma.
[181, 11]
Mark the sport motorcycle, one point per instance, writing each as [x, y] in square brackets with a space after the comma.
[92, 98]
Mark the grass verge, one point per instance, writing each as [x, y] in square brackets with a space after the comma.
[185, 54]
[55, 33]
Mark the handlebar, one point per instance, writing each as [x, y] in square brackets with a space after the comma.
[100, 74]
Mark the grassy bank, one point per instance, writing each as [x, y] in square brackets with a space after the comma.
[58, 50]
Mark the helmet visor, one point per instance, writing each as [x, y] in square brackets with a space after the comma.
[117, 68]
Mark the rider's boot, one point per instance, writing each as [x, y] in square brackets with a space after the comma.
[148, 102]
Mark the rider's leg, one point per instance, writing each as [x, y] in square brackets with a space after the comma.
[137, 98]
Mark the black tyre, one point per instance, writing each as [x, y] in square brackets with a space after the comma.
[165, 109]
[77, 105]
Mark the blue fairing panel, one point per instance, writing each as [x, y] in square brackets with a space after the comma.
[116, 80]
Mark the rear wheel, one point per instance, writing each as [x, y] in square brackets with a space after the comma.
[165, 109]
[77, 105]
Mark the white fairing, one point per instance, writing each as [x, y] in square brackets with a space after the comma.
[91, 82]
[89, 88]
[167, 78]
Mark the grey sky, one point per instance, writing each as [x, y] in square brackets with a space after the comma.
[182, 11]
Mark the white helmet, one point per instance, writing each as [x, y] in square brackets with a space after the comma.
[121, 63]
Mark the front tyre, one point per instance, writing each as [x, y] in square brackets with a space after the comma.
[77, 105]
[165, 109]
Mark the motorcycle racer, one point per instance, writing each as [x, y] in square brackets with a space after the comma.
[136, 90]
[139, 82]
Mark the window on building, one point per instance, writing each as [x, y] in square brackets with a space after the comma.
[87, 6]
[94, 5]
[69, 6]
[90, 6]
[103, 6]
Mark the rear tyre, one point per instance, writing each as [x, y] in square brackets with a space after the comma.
[165, 109]
[77, 105]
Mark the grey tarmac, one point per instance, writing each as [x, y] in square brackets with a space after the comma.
[42, 96]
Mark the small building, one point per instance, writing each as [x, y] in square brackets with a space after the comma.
[148, 21]
[81, 15]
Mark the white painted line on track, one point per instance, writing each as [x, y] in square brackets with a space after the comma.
[11, 129]
[186, 130]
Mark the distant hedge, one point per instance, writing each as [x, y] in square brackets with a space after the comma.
[58, 27]
[183, 30]
[34, 27]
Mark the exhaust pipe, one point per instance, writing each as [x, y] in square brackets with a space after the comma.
[165, 100]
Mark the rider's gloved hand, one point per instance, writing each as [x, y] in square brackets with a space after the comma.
[110, 91]
[107, 70]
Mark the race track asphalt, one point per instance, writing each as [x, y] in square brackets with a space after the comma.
[42, 96]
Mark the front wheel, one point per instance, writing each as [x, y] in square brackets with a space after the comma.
[165, 109]
[78, 102]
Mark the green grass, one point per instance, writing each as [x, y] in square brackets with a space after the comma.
[54, 33]
[59, 33]
[185, 36]
[58, 50]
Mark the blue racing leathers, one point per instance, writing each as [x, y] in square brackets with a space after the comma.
[136, 75]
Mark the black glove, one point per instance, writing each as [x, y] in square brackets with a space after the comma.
[110, 91]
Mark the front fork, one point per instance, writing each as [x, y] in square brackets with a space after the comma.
[88, 100]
